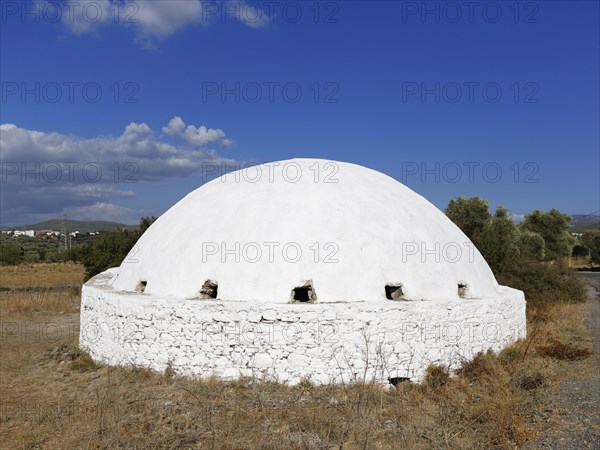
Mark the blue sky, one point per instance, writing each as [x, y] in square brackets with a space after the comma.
[505, 92]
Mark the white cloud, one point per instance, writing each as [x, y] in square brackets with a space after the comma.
[155, 157]
[50, 172]
[175, 126]
[83, 16]
[198, 136]
[154, 20]
[159, 19]
[107, 211]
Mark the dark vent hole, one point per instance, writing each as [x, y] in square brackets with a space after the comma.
[393, 291]
[304, 294]
[209, 289]
[141, 287]
[395, 381]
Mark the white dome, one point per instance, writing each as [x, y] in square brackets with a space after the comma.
[354, 230]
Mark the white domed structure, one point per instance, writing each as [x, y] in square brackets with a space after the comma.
[304, 244]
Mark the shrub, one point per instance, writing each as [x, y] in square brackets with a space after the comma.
[516, 253]
[436, 377]
[510, 355]
[544, 281]
[10, 253]
[483, 364]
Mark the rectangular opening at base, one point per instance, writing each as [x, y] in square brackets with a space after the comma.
[393, 291]
[302, 294]
[395, 381]
[462, 290]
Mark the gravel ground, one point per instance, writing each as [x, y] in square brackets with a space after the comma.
[578, 427]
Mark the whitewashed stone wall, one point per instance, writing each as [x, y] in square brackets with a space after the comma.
[329, 342]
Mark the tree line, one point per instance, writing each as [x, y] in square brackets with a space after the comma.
[107, 249]
[528, 256]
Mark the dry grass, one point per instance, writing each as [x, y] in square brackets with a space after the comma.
[42, 275]
[560, 350]
[31, 288]
[54, 396]
[44, 301]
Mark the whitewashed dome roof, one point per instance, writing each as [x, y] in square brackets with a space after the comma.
[357, 229]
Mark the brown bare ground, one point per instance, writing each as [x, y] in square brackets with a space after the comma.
[53, 396]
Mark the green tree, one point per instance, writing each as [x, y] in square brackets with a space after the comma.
[515, 253]
[31, 256]
[109, 249]
[495, 236]
[145, 223]
[591, 239]
[471, 215]
[531, 245]
[499, 244]
[548, 282]
[555, 228]
[10, 252]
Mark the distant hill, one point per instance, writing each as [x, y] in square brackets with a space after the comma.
[83, 226]
[583, 222]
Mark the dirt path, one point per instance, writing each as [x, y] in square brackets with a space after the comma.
[579, 426]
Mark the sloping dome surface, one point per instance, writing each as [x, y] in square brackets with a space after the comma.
[358, 230]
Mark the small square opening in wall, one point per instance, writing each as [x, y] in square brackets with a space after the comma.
[395, 381]
[393, 291]
[462, 290]
[304, 294]
[209, 290]
[141, 287]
